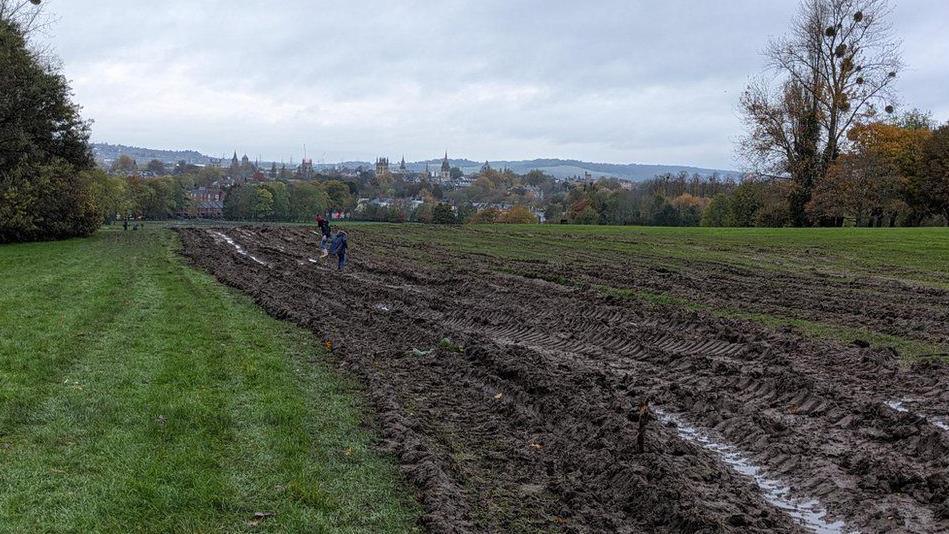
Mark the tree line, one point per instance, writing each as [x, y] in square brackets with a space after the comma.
[296, 200]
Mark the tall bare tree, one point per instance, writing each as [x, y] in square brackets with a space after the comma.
[835, 68]
[27, 14]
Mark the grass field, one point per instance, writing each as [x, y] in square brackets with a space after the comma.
[916, 256]
[137, 394]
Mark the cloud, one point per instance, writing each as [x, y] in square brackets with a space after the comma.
[609, 80]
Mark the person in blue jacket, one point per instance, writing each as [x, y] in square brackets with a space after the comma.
[340, 247]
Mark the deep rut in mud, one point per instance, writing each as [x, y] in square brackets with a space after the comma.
[511, 403]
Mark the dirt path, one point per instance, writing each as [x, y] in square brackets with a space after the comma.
[512, 403]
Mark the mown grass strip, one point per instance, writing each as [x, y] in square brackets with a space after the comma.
[137, 394]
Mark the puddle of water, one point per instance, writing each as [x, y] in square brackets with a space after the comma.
[900, 406]
[897, 405]
[240, 249]
[807, 512]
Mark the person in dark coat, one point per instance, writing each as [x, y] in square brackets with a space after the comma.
[340, 247]
[325, 231]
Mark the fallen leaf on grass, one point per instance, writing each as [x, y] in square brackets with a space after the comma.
[536, 446]
[498, 396]
[259, 518]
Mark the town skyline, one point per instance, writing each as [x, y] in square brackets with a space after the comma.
[561, 168]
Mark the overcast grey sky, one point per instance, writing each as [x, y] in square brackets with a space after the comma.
[625, 81]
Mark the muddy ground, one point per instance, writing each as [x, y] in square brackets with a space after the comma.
[512, 403]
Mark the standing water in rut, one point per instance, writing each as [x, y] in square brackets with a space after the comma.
[808, 513]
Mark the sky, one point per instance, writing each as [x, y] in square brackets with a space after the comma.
[619, 81]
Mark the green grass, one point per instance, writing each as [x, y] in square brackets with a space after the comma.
[138, 395]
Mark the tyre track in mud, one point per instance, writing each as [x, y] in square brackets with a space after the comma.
[555, 450]
[882, 305]
[698, 362]
[515, 471]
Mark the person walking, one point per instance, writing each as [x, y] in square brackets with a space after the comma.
[325, 231]
[340, 248]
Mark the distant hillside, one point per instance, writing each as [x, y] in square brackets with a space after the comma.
[558, 168]
[107, 152]
[567, 168]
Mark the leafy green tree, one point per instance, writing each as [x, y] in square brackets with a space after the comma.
[744, 205]
[443, 214]
[240, 202]
[124, 165]
[157, 167]
[281, 200]
[582, 212]
[425, 213]
[110, 195]
[50, 201]
[339, 195]
[206, 176]
[465, 211]
[717, 211]
[307, 199]
[263, 205]
[46, 190]
[160, 203]
[665, 213]
[536, 178]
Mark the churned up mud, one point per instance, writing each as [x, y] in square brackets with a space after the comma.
[515, 404]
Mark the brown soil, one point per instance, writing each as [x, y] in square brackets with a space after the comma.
[527, 419]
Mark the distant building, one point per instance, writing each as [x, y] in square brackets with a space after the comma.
[402, 165]
[207, 202]
[445, 175]
[306, 169]
[382, 166]
[242, 168]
